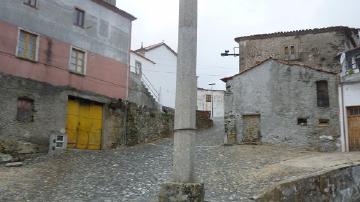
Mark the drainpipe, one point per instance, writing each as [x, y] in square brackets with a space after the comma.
[343, 114]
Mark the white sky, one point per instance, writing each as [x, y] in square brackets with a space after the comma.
[220, 21]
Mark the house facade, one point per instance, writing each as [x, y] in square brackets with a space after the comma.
[141, 89]
[62, 64]
[313, 47]
[163, 75]
[211, 101]
[349, 99]
[286, 90]
[282, 103]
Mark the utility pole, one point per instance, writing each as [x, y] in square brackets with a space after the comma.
[183, 186]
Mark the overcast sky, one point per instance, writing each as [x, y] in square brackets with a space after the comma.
[220, 21]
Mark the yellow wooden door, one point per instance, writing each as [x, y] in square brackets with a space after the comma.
[354, 128]
[84, 125]
[72, 122]
[95, 128]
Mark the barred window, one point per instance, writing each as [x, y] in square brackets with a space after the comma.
[27, 45]
[77, 61]
[25, 110]
[322, 94]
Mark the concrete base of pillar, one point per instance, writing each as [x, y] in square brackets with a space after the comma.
[182, 192]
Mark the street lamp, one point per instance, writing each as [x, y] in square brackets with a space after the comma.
[212, 99]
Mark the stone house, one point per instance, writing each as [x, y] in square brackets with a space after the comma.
[212, 101]
[313, 47]
[64, 70]
[287, 88]
[283, 103]
[349, 99]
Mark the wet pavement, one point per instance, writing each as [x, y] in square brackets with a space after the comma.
[230, 173]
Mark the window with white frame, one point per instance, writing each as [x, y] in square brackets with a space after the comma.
[77, 61]
[27, 45]
[31, 3]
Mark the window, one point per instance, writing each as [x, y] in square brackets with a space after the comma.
[302, 121]
[292, 50]
[208, 98]
[25, 110]
[79, 17]
[32, 3]
[27, 45]
[138, 67]
[286, 51]
[357, 61]
[77, 61]
[322, 94]
[324, 122]
[353, 111]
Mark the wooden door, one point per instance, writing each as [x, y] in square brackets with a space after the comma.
[84, 124]
[72, 122]
[354, 128]
[251, 129]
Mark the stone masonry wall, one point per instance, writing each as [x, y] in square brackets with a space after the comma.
[139, 94]
[281, 94]
[333, 186]
[124, 123]
[49, 115]
[318, 50]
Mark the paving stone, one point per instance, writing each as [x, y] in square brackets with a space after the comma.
[134, 174]
[14, 164]
[4, 158]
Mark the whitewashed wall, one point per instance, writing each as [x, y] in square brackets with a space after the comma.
[163, 74]
[218, 98]
[350, 97]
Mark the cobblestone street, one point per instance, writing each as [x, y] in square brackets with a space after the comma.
[230, 173]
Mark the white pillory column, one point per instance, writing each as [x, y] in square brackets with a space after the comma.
[184, 187]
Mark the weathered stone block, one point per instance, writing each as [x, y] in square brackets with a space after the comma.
[4, 158]
[182, 192]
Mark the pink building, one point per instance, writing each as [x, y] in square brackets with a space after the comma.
[62, 64]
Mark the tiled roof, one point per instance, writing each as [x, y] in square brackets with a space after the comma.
[115, 9]
[138, 54]
[148, 48]
[298, 32]
[290, 63]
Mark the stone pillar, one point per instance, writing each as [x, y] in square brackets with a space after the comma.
[184, 187]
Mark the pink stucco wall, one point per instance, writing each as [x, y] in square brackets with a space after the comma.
[104, 76]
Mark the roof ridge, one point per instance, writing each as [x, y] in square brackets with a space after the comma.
[285, 62]
[295, 32]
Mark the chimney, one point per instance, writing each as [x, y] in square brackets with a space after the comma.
[112, 2]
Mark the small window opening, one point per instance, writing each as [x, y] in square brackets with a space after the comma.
[79, 17]
[25, 110]
[208, 98]
[286, 51]
[302, 121]
[292, 50]
[324, 122]
[322, 94]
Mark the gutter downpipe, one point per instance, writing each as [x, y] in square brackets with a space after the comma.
[343, 116]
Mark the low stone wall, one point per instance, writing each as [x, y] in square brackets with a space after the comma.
[203, 120]
[342, 184]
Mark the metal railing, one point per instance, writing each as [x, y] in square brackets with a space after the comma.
[146, 81]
